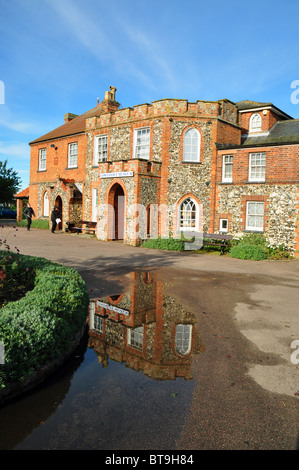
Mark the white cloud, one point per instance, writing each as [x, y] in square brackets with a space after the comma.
[15, 149]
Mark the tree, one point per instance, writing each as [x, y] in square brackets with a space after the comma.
[9, 183]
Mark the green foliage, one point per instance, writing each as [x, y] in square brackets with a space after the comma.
[40, 327]
[247, 251]
[36, 223]
[170, 244]
[256, 247]
[9, 183]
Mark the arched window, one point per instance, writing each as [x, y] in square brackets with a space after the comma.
[255, 123]
[191, 145]
[188, 215]
[183, 339]
[46, 205]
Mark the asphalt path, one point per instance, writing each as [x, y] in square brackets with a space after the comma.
[247, 378]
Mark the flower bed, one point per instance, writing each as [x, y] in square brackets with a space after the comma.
[41, 327]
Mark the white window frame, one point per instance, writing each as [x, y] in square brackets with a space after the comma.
[42, 159]
[221, 228]
[254, 213]
[141, 143]
[73, 155]
[186, 151]
[253, 127]
[46, 205]
[94, 205]
[184, 228]
[135, 337]
[261, 178]
[227, 179]
[102, 155]
[183, 339]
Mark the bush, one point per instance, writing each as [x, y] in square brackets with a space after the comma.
[247, 251]
[255, 246]
[170, 244]
[41, 326]
[36, 223]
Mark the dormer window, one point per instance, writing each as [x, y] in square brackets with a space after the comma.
[255, 124]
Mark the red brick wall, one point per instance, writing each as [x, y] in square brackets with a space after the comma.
[268, 120]
[282, 164]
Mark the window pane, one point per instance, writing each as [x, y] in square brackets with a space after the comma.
[191, 145]
[188, 211]
[73, 152]
[183, 339]
[102, 149]
[142, 143]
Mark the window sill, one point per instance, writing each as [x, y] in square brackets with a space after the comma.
[225, 182]
[194, 163]
[41, 171]
[72, 168]
[255, 182]
[253, 231]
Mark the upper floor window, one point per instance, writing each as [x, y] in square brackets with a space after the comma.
[73, 155]
[191, 146]
[257, 166]
[183, 339]
[135, 337]
[255, 216]
[227, 169]
[255, 123]
[42, 159]
[142, 143]
[188, 215]
[100, 149]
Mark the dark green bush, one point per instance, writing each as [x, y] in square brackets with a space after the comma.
[40, 327]
[247, 251]
[36, 223]
[170, 244]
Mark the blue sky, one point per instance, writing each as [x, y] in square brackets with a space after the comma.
[59, 56]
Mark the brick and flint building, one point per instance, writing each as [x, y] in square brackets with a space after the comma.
[215, 166]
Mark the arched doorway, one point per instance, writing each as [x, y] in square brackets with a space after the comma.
[58, 203]
[117, 201]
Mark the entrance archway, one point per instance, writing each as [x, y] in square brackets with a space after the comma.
[58, 203]
[117, 201]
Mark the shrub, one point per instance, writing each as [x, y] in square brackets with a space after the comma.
[170, 244]
[40, 327]
[36, 223]
[260, 248]
[247, 251]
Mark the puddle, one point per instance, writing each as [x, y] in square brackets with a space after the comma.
[128, 385]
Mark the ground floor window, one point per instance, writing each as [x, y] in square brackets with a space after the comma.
[188, 215]
[255, 216]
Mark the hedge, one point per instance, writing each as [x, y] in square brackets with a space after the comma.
[41, 326]
[36, 223]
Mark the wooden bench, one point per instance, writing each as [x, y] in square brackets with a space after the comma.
[214, 239]
[85, 226]
[217, 239]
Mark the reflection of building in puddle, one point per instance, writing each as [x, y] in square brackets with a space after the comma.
[145, 329]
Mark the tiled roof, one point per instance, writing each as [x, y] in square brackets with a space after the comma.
[24, 193]
[75, 126]
[283, 132]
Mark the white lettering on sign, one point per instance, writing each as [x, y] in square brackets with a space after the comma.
[113, 308]
[119, 174]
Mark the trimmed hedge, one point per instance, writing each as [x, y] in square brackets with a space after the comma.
[41, 326]
[36, 223]
[246, 251]
[170, 244]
